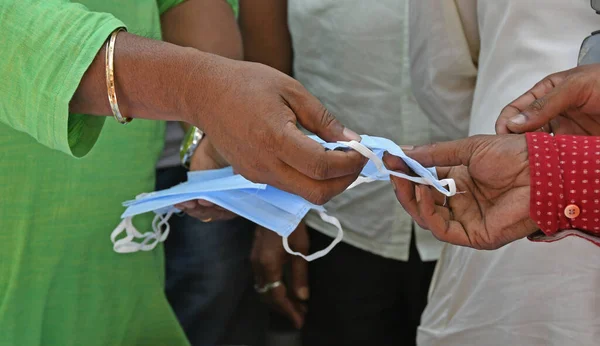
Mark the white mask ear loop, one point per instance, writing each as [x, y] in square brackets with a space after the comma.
[338, 238]
[366, 152]
[150, 239]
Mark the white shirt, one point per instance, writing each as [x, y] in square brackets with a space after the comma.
[353, 55]
[491, 51]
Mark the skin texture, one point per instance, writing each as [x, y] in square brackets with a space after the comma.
[567, 102]
[249, 111]
[492, 174]
[267, 40]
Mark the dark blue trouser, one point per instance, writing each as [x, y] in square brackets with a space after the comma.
[209, 281]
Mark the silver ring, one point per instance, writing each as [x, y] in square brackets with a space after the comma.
[266, 288]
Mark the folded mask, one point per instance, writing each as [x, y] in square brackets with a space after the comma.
[262, 204]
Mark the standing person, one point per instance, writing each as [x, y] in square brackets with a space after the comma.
[66, 169]
[209, 280]
[492, 52]
[353, 55]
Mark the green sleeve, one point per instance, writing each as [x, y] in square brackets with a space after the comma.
[235, 5]
[165, 5]
[46, 48]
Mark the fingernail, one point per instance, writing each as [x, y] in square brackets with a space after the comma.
[302, 293]
[418, 193]
[518, 119]
[393, 184]
[351, 134]
[407, 147]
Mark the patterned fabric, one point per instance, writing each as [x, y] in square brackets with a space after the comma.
[565, 184]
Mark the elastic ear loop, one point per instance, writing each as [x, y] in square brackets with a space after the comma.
[366, 152]
[338, 238]
[128, 245]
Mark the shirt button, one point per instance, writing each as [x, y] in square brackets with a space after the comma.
[572, 211]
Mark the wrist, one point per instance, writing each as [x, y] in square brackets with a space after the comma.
[205, 82]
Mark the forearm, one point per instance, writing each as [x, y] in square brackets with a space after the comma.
[265, 33]
[207, 25]
[152, 80]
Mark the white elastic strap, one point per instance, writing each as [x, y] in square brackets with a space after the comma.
[338, 238]
[128, 244]
[366, 152]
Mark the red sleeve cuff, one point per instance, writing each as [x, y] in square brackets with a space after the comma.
[565, 182]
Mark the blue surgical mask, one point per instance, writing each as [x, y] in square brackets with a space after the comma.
[264, 205]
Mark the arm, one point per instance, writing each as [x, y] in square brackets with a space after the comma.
[511, 187]
[265, 32]
[565, 186]
[207, 25]
[267, 40]
[54, 54]
[444, 45]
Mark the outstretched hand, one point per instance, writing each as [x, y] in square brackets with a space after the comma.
[492, 175]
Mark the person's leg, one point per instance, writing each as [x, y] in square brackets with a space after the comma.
[355, 298]
[209, 280]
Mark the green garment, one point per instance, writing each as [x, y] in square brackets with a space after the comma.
[62, 180]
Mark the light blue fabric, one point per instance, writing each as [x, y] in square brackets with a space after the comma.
[265, 205]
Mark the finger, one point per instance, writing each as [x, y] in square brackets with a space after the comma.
[255, 256]
[212, 214]
[186, 205]
[520, 105]
[316, 118]
[454, 153]
[205, 203]
[544, 109]
[437, 220]
[311, 159]
[300, 242]
[395, 163]
[299, 268]
[314, 191]
[278, 297]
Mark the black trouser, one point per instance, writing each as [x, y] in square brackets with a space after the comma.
[358, 298]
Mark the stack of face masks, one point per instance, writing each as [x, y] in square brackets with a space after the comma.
[262, 204]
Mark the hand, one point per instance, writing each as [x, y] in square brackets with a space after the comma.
[268, 258]
[206, 157]
[493, 172]
[567, 102]
[250, 112]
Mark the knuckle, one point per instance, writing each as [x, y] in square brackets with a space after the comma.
[327, 118]
[320, 168]
[547, 84]
[267, 260]
[317, 196]
[538, 105]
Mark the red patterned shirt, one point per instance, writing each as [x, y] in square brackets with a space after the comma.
[565, 186]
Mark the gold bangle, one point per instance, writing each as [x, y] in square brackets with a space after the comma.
[110, 77]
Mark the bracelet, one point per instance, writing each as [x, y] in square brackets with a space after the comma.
[110, 77]
[190, 143]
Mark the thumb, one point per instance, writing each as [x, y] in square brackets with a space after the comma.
[542, 110]
[446, 154]
[300, 278]
[313, 116]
